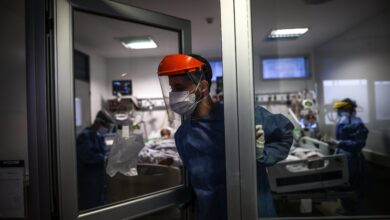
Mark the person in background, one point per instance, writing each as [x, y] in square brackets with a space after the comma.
[91, 155]
[165, 133]
[351, 136]
[200, 139]
[274, 137]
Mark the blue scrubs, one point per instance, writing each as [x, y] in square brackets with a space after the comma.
[201, 145]
[352, 134]
[278, 140]
[90, 169]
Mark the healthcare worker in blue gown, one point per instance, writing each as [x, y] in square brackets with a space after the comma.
[200, 140]
[91, 154]
[276, 130]
[351, 136]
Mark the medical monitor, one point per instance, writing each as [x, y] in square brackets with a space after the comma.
[124, 87]
[287, 67]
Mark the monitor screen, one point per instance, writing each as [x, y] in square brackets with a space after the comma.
[123, 87]
[285, 67]
[216, 67]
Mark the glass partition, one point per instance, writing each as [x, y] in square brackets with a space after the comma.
[321, 76]
[125, 146]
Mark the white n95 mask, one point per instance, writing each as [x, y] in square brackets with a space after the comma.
[183, 103]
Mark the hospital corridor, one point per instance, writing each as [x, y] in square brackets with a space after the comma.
[195, 110]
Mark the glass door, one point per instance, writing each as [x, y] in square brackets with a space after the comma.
[314, 74]
[109, 125]
[310, 78]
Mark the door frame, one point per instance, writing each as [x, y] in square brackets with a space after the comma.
[66, 146]
[40, 191]
[239, 109]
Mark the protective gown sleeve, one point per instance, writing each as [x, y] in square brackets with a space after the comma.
[278, 136]
[354, 137]
[88, 149]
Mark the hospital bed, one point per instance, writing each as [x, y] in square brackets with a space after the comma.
[309, 174]
[309, 179]
[314, 166]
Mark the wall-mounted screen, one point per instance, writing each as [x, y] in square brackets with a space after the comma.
[124, 87]
[216, 67]
[285, 67]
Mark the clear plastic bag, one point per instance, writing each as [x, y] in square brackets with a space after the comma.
[123, 155]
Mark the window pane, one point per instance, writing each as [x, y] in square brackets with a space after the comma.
[323, 66]
[125, 145]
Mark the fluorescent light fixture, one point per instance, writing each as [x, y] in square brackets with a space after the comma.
[145, 42]
[287, 33]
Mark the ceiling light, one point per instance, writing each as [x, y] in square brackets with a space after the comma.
[138, 42]
[287, 33]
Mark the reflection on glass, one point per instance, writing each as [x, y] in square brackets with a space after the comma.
[125, 145]
[339, 151]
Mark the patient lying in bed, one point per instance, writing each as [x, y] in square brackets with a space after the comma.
[297, 154]
[161, 150]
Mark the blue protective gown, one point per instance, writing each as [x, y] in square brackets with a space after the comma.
[90, 169]
[201, 145]
[352, 135]
[278, 140]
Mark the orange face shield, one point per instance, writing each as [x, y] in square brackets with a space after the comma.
[178, 64]
[178, 72]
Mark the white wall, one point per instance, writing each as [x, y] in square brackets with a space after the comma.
[143, 73]
[98, 79]
[13, 111]
[361, 53]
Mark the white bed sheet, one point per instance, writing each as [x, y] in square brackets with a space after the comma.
[156, 150]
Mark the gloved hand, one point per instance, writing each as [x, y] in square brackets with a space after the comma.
[259, 141]
[333, 141]
[330, 140]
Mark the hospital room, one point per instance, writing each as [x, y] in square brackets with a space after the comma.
[304, 124]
